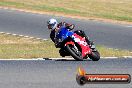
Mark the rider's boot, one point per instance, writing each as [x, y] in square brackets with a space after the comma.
[82, 33]
[90, 43]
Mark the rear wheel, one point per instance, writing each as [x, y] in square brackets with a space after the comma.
[95, 56]
[74, 52]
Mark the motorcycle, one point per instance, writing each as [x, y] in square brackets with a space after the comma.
[75, 45]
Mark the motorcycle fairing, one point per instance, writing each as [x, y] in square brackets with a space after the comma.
[64, 33]
[83, 44]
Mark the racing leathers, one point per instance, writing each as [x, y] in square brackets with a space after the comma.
[53, 32]
[70, 27]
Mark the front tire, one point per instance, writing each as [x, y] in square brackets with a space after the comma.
[95, 56]
[76, 54]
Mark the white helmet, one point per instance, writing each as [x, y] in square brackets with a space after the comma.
[52, 24]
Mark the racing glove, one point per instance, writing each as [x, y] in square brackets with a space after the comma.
[69, 26]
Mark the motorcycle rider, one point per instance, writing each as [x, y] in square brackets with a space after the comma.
[54, 26]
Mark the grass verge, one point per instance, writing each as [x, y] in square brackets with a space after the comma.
[109, 9]
[12, 47]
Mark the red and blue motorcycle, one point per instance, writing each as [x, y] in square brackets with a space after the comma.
[75, 45]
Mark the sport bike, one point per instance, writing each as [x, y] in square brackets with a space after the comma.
[75, 45]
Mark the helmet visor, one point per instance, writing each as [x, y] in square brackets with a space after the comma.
[50, 26]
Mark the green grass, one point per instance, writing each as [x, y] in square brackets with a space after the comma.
[19, 47]
[111, 52]
[109, 9]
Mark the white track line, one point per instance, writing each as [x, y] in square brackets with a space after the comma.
[127, 56]
[14, 34]
[129, 26]
[31, 37]
[35, 59]
[22, 36]
[8, 33]
[2, 32]
[26, 36]
[22, 59]
[109, 57]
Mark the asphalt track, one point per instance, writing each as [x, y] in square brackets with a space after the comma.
[59, 74]
[62, 74]
[34, 25]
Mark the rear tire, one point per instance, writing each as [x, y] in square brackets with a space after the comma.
[74, 54]
[95, 56]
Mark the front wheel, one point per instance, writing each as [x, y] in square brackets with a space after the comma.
[95, 56]
[74, 52]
